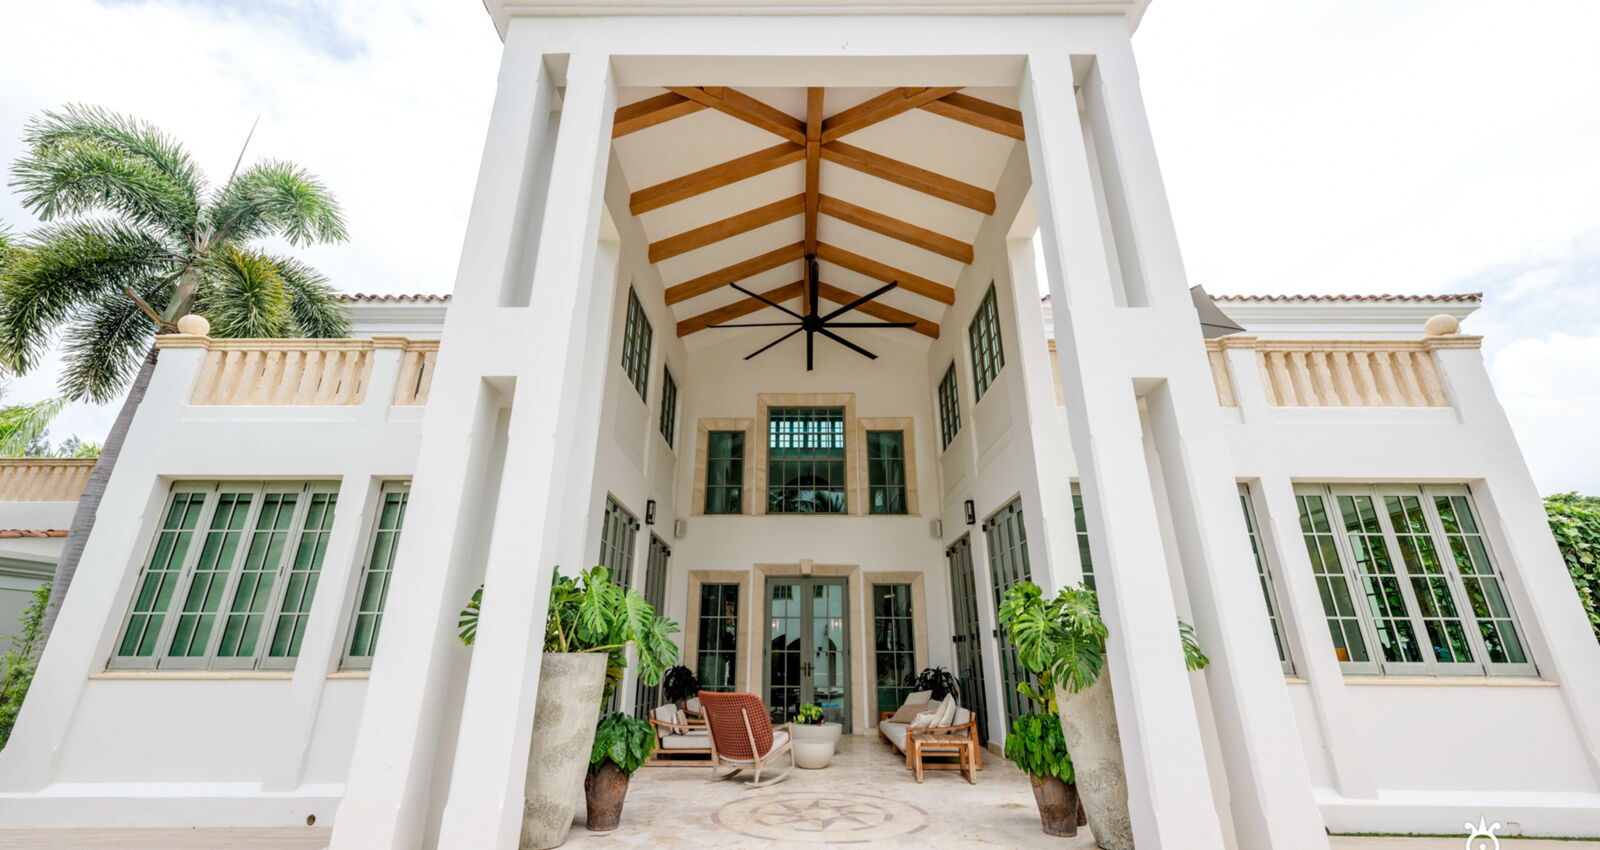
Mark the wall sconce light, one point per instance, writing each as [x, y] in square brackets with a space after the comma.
[972, 512]
[650, 512]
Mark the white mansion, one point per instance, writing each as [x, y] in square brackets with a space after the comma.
[658, 356]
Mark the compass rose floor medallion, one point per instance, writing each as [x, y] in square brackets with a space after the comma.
[821, 818]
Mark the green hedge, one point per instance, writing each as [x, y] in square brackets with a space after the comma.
[1575, 520]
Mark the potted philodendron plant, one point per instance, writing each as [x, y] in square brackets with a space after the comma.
[940, 681]
[815, 737]
[621, 745]
[591, 623]
[1062, 641]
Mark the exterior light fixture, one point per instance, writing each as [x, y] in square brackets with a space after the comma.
[972, 512]
[650, 512]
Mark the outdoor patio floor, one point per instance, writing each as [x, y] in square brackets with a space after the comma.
[865, 799]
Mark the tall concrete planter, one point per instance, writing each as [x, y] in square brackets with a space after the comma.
[571, 685]
[1089, 726]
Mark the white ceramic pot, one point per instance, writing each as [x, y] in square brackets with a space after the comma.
[571, 685]
[1089, 725]
[814, 744]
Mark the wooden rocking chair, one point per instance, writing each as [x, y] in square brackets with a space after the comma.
[743, 737]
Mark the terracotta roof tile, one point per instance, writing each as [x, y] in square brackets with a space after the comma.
[12, 533]
[376, 298]
[1469, 297]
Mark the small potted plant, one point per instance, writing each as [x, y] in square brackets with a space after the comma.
[1035, 745]
[940, 681]
[621, 745]
[815, 737]
[679, 685]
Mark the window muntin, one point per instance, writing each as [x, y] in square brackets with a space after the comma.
[724, 472]
[717, 650]
[1418, 605]
[949, 408]
[984, 334]
[211, 593]
[886, 472]
[894, 643]
[373, 592]
[1265, 575]
[805, 460]
[618, 531]
[1080, 527]
[669, 408]
[636, 336]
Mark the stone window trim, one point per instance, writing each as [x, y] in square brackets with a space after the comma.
[919, 630]
[691, 621]
[701, 447]
[907, 427]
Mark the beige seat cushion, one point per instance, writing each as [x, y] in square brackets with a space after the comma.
[895, 732]
[698, 739]
[668, 713]
[963, 717]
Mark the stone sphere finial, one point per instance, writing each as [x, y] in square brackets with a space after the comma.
[1441, 325]
[194, 325]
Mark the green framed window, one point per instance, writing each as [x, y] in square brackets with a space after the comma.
[886, 472]
[949, 408]
[1428, 595]
[669, 407]
[229, 575]
[1006, 538]
[988, 356]
[717, 646]
[373, 591]
[894, 643]
[805, 460]
[1080, 527]
[619, 530]
[724, 472]
[1264, 574]
[636, 337]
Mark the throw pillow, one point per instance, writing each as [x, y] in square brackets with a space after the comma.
[917, 697]
[909, 712]
[947, 714]
[682, 719]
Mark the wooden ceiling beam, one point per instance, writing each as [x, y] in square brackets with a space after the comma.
[733, 225]
[650, 112]
[878, 310]
[881, 108]
[979, 113]
[922, 180]
[746, 108]
[814, 97]
[894, 228]
[715, 177]
[878, 271]
[737, 272]
[738, 309]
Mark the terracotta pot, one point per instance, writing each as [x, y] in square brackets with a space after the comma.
[605, 789]
[1058, 805]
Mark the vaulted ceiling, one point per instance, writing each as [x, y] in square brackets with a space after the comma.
[740, 185]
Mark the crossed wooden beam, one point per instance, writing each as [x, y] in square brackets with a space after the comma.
[812, 140]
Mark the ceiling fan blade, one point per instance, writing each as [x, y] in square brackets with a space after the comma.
[763, 299]
[758, 325]
[863, 299]
[847, 344]
[772, 343]
[869, 324]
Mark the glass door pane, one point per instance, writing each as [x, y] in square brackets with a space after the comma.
[830, 670]
[808, 639]
[968, 635]
[785, 650]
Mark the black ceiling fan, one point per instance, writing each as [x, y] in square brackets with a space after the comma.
[812, 322]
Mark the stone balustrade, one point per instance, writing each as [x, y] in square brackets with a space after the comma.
[39, 479]
[304, 372]
[1338, 373]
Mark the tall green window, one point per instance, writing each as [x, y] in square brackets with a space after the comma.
[636, 337]
[717, 647]
[894, 643]
[1080, 527]
[949, 408]
[886, 472]
[805, 460]
[669, 407]
[618, 531]
[725, 472]
[1265, 576]
[227, 577]
[1006, 538]
[1429, 596]
[988, 358]
[373, 592]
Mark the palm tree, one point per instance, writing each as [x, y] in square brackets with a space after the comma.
[21, 425]
[133, 239]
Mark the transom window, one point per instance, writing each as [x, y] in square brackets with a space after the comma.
[230, 577]
[949, 408]
[1407, 581]
[984, 334]
[669, 407]
[718, 643]
[373, 593]
[636, 337]
[805, 460]
[886, 472]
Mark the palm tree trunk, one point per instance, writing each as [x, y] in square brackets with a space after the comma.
[89, 503]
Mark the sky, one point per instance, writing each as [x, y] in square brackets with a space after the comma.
[1308, 146]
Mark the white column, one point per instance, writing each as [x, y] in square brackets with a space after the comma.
[485, 804]
[1168, 789]
[387, 796]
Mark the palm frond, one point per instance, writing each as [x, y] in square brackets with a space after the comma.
[104, 347]
[276, 199]
[63, 269]
[22, 424]
[314, 306]
[75, 177]
[244, 296]
[80, 126]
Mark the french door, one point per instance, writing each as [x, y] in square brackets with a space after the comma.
[647, 697]
[808, 640]
[1007, 542]
[968, 634]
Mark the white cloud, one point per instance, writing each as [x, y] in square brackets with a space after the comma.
[1550, 388]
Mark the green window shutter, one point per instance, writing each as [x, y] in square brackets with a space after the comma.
[724, 472]
[886, 472]
[374, 589]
